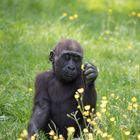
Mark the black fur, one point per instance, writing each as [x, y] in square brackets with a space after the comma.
[55, 89]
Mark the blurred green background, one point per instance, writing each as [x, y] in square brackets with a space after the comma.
[109, 32]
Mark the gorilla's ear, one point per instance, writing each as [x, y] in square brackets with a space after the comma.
[51, 56]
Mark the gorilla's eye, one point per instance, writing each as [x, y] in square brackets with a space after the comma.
[77, 58]
[67, 57]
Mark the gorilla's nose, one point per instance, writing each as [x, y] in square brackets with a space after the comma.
[72, 68]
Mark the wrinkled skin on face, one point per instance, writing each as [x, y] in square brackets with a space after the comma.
[68, 65]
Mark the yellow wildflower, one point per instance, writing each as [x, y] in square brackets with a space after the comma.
[83, 67]
[103, 110]
[90, 136]
[138, 14]
[51, 133]
[111, 138]
[139, 137]
[127, 133]
[104, 135]
[93, 123]
[104, 102]
[88, 120]
[77, 96]
[134, 99]
[61, 136]
[80, 90]
[30, 89]
[99, 132]
[107, 32]
[75, 16]
[135, 105]
[19, 139]
[87, 107]
[129, 46]
[85, 130]
[133, 13]
[112, 119]
[71, 18]
[86, 113]
[76, 92]
[55, 137]
[110, 11]
[33, 138]
[112, 95]
[71, 130]
[98, 114]
[103, 105]
[104, 98]
[92, 109]
[129, 107]
[24, 133]
[78, 107]
[64, 14]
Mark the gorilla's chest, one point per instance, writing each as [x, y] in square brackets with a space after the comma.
[60, 93]
[62, 98]
[62, 101]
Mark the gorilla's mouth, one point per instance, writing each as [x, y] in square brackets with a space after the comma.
[69, 76]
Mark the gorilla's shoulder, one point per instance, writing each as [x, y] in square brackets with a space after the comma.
[45, 76]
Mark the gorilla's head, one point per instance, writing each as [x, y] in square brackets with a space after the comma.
[67, 59]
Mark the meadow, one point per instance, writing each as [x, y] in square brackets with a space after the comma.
[109, 32]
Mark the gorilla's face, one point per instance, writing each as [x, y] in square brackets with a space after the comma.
[67, 59]
[67, 65]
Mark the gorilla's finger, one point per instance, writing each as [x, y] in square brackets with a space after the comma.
[91, 76]
[88, 65]
[90, 70]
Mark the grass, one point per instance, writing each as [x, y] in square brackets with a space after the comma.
[110, 35]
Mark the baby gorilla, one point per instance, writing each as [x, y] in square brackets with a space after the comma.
[55, 89]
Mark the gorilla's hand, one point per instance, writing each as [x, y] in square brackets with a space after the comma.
[90, 73]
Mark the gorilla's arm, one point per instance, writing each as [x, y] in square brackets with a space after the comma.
[90, 95]
[41, 107]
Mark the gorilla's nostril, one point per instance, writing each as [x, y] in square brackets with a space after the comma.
[72, 68]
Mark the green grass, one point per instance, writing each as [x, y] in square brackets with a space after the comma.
[30, 29]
